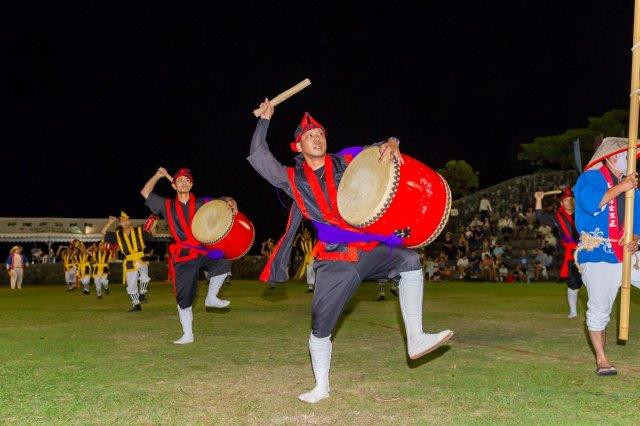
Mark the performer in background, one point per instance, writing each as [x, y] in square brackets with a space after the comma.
[69, 255]
[188, 256]
[562, 221]
[305, 242]
[131, 242]
[84, 267]
[101, 256]
[340, 268]
[599, 194]
[16, 262]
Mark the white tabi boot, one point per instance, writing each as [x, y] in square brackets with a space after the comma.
[572, 299]
[418, 342]
[186, 319]
[320, 349]
[212, 300]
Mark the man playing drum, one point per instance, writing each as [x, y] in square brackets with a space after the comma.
[339, 268]
[189, 256]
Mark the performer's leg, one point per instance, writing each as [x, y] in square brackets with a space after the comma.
[602, 281]
[143, 278]
[383, 262]
[132, 290]
[97, 280]
[105, 283]
[85, 280]
[311, 276]
[13, 276]
[572, 300]
[217, 270]
[19, 276]
[186, 287]
[320, 350]
[574, 282]
[70, 278]
[335, 284]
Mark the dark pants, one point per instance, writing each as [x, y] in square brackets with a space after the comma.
[574, 282]
[187, 277]
[336, 281]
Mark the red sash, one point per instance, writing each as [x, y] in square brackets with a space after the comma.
[328, 209]
[189, 243]
[615, 231]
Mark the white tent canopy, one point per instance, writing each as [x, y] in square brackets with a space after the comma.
[62, 229]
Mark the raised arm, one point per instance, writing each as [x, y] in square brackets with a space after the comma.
[260, 158]
[107, 225]
[151, 183]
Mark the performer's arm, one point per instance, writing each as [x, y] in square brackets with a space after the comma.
[541, 216]
[260, 158]
[629, 182]
[151, 183]
[107, 225]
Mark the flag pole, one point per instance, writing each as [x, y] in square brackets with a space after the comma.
[625, 292]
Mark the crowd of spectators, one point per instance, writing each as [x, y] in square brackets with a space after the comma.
[483, 249]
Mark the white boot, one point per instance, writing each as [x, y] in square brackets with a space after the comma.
[212, 300]
[320, 349]
[572, 298]
[418, 342]
[186, 319]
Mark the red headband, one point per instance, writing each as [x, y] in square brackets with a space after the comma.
[566, 193]
[183, 172]
[307, 123]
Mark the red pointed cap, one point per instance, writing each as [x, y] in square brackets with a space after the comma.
[183, 172]
[566, 193]
[307, 123]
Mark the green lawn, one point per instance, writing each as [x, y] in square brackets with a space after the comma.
[69, 358]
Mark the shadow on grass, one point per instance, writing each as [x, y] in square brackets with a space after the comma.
[276, 293]
[218, 311]
[417, 363]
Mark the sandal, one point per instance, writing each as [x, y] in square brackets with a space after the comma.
[607, 371]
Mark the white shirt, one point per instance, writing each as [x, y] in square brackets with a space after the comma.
[485, 204]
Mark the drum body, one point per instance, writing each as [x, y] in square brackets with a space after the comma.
[216, 227]
[382, 197]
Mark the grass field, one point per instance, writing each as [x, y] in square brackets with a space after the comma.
[69, 358]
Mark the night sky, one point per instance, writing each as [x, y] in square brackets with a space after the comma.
[97, 97]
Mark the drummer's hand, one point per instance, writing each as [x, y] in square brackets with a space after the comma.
[392, 148]
[162, 172]
[539, 195]
[629, 182]
[232, 204]
[266, 110]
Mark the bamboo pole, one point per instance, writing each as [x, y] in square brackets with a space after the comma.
[625, 292]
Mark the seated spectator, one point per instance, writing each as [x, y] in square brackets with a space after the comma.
[36, 254]
[531, 217]
[498, 250]
[429, 267]
[476, 222]
[505, 226]
[503, 272]
[463, 266]
[488, 270]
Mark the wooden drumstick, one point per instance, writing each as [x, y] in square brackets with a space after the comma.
[286, 94]
[554, 192]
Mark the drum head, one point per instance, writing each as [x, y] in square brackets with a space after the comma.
[212, 222]
[367, 187]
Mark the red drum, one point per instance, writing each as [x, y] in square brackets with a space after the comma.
[216, 227]
[410, 200]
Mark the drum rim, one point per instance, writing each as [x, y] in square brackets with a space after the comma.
[226, 232]
[443, 221]
[395, 182]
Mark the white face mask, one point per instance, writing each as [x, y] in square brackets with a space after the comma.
[620, 162]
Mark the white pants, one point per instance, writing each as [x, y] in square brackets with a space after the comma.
[70, 276]
[101, 280]
[16, 277]
[142, 274]
[603, 281]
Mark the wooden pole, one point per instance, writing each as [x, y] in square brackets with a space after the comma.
[625, 292]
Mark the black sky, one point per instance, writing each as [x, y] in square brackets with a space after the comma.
[98, 96]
